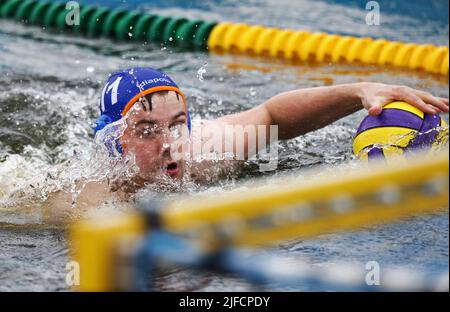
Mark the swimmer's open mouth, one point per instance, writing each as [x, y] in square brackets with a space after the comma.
[172, 168]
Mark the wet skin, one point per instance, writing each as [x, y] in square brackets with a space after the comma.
[153, 124]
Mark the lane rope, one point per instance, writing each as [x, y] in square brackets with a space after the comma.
[253, 40]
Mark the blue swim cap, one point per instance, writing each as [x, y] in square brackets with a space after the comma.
[126, 87]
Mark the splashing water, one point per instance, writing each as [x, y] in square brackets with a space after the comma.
[201, 72]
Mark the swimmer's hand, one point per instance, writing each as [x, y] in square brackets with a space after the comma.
[375, 95]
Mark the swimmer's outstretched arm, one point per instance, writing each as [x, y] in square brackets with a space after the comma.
[301, 111]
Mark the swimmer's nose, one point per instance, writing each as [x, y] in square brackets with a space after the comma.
[165, 148]
[166, 143]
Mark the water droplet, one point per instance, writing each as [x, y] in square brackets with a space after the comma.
[201, 72]
[90, 69]
[130, 35]
[170, 39]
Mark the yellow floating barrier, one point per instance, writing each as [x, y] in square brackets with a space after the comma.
[320, 47]
[264, 215]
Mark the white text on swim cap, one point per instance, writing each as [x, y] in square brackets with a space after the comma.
[153, 81]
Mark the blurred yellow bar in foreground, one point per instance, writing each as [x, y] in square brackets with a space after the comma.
[364, 195]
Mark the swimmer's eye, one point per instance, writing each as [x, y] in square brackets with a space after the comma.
[148, 131]
[177, 130]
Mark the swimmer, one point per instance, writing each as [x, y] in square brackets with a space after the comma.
[152, 106]
[154, 111]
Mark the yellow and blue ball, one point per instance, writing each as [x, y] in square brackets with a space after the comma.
[400, 129]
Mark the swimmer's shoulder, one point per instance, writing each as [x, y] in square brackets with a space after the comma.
[85, 196]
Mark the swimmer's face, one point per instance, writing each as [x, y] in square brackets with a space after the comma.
[154, 125]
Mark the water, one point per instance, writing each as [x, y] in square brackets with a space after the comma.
[49, 97]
